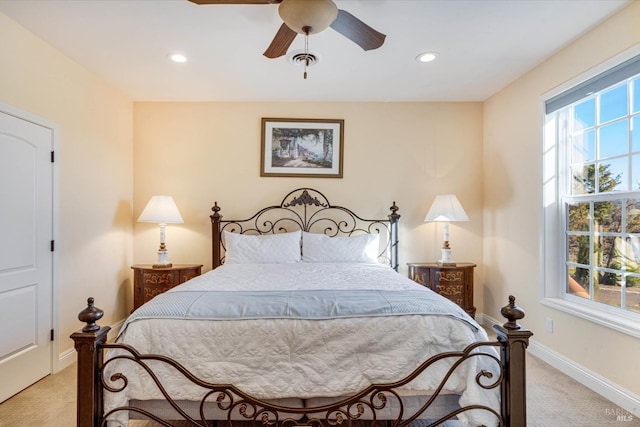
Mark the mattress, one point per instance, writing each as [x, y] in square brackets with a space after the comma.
[288, 349]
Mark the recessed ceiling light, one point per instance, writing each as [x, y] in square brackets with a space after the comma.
[178, 57]
[427, 56]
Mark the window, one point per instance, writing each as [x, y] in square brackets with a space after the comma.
[591, 198]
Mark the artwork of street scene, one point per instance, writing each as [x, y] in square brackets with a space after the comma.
[302, 148]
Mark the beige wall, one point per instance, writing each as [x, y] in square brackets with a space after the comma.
[512, 204]
[404, 152]
[201, 152]
[95, 163]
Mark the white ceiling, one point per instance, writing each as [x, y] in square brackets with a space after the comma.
[483, 45]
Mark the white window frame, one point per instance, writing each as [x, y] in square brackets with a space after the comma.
[553, 244]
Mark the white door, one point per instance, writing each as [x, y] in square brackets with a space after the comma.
[26, 230]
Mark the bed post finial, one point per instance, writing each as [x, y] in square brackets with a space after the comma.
[394, 216]
[90, 315]
[512, 313]
[215, 210]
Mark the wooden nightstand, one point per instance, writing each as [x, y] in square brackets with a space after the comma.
[149, 282]
[452, 282]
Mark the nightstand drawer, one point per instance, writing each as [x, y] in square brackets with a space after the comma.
[188, 274]
[153, 290]
[149, 282]
[158, 278]
[451, 276]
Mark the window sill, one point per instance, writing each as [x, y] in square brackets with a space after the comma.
[627, 323]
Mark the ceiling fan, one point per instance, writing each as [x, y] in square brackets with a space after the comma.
[310, 17]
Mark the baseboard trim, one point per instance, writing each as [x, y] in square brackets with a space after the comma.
[613, 392]
[68, 357]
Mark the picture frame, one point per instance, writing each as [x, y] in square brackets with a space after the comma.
[302, 148]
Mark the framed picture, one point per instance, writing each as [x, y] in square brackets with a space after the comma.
[302, 147]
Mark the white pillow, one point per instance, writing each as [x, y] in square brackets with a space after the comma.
[318, 247]
[277, 248]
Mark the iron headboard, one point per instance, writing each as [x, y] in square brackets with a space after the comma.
[309, 210]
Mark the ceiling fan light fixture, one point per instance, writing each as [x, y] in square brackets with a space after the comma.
[316, 15]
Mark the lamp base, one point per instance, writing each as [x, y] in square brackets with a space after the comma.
[446, 256]
[163, 262]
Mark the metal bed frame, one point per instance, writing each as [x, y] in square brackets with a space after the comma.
[304, 209]
[308, 210]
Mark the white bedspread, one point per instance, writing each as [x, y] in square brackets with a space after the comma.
[279, 358]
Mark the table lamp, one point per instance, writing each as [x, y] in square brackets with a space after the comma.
[161, 210]
[446, 208]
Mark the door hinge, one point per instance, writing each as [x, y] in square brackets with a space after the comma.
[52, 245]
[53, 157]
[52, 335]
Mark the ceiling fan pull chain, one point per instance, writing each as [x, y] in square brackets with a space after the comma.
[306, 30]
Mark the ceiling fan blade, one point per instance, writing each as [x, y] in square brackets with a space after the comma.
[281, 42]
[357, 31]
[235, 1]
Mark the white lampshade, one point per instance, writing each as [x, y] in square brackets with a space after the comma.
[315, 14]
[161, 209]
[446, 208]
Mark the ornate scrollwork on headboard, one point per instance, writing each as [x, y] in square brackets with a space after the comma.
[309, 210]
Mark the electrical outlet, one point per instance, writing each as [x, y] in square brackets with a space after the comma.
[549, 325]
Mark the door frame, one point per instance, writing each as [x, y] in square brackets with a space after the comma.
[55, 218]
